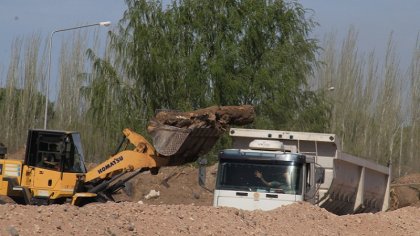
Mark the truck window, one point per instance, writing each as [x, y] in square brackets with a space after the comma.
[278, 178]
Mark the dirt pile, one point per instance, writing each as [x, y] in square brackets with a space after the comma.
[179, 185]
[405, 191]
[176, 185]
[142, 219]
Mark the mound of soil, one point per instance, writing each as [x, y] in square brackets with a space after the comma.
[142, 219]
[176, 185]
[405, 191]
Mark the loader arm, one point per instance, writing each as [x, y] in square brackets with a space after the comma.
[135, 155]
[142, 156]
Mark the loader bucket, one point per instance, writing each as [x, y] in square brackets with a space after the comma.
[184, 145]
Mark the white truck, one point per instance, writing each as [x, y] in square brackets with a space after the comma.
[267, 169]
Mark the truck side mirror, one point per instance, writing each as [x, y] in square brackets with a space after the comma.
[319, 175]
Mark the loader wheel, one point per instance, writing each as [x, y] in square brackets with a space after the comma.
[154, 170]
[6, 200]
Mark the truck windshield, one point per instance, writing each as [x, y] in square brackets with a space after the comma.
[284, 177]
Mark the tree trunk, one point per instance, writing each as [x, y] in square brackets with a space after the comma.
[210, 117]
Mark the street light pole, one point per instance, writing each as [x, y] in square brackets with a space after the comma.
[103, 23]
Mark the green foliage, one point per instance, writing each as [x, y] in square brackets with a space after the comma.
[199, 53]
[314, 113]
[21, 103]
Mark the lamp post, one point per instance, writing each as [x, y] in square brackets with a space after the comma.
[102, 23]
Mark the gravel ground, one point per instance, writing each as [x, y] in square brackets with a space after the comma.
[127, 218]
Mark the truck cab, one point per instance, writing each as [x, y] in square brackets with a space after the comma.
[257, 179]
[270, 168]
[265, 176]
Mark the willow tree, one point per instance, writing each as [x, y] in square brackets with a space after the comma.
[192, 54]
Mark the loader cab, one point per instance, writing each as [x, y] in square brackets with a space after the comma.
[55, 150]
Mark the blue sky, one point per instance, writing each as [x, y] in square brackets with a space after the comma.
[374, 20]
[22, 18]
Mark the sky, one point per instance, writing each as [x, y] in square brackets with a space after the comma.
[373, 19]
[22, 18]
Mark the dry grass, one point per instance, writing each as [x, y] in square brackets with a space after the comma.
[372, 111]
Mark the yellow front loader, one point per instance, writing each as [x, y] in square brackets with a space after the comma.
[54, 171]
